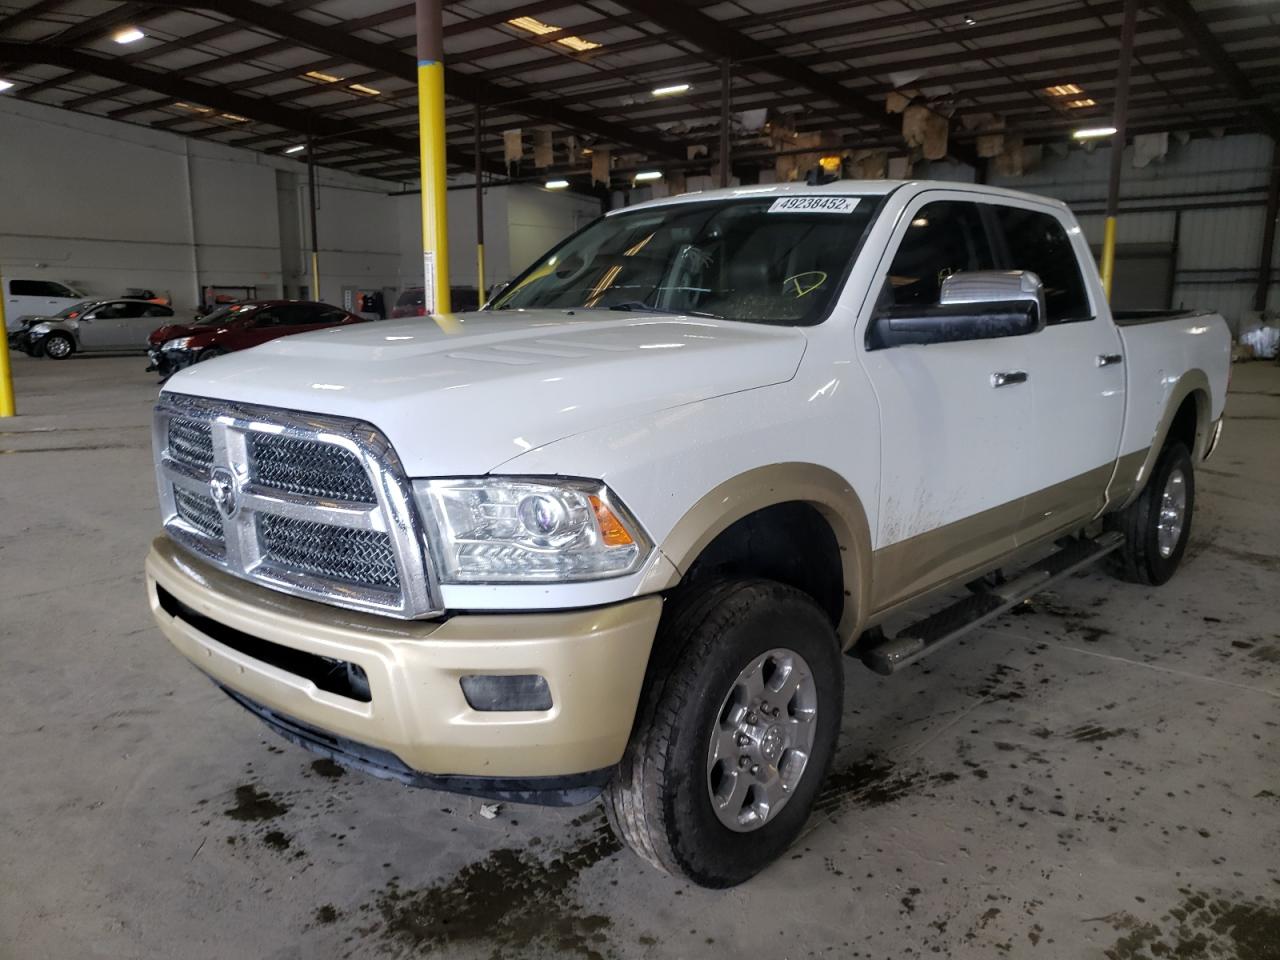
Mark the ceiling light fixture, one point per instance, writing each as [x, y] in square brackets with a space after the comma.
[127, 35]
[296, 148]
[193, 107]
[969, 21]
[1064, 90]
[1084, 102]
[323, 77]
[538, 28]
[557, 184]
[234, 117]
[644, 175]
[6, 85]
[673, 89]
[1093, 133]
[367, 91]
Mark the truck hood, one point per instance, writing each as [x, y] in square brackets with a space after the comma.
[462, 394]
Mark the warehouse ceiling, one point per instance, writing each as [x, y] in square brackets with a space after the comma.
[266, 75]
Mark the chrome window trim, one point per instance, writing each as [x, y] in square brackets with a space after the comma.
[394, 514]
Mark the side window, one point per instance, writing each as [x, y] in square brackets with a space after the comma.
[327, 315]
[58, 290]
[111, 311]
[155, 310]
[1037, 241]
[269, 317]
[944, 237]
[132, 309]
[26, 288]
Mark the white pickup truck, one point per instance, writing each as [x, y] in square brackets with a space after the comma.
[615, 532]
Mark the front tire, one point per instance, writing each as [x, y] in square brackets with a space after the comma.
[58, 346]
[735, 732]
[1157, 525]
[210, 354]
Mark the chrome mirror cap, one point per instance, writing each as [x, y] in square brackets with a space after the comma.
[994, 286]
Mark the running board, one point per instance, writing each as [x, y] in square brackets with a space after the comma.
[922, 638]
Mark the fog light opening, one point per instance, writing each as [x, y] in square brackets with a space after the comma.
[507, 693]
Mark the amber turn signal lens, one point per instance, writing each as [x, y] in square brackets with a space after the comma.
[612, 532]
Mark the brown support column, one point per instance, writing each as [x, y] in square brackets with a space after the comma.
[1117, 142]
[725, 104]
[1269, 231]
[479, 176]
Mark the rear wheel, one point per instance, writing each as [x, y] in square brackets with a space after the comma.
[210, 354]
[58, 346]
[1157, 525]
[734, 735]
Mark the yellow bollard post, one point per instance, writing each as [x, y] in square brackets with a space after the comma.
[6, 373]
[431, 149]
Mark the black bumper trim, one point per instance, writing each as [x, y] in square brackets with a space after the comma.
[564, 791]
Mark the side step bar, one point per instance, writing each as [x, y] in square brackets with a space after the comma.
[891, 654]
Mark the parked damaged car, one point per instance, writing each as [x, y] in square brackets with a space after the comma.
[238, 326]
[109, 326]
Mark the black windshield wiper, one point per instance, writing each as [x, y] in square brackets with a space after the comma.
[638, 306]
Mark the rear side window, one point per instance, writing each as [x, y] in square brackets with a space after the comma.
[158, 311]
[327, 315]
[1037, 241]
[944, 237]
[411, 298]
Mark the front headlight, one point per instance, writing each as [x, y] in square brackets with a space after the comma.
[178, 343]
[40, 328]
[503, 530]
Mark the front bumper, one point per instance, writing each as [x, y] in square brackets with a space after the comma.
[169, 362]
[266, 647]
[24, 341]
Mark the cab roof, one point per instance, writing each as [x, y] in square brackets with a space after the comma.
[838, 188]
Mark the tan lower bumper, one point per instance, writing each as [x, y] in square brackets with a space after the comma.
[593, 660]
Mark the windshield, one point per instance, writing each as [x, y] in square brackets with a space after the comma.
[76, 309]
[763, 260]
[224, 314]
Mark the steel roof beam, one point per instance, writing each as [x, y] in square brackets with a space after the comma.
[259, 109]
[461, 85]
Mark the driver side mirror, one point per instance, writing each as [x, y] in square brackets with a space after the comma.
[979, 305]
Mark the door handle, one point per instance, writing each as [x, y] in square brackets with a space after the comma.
[1107, 359]
[1006, 379]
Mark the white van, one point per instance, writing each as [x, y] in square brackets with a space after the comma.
[36, 298]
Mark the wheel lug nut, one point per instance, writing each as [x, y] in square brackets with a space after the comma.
[755, 769]
[752, 718]
[744, 761]
[743, 739]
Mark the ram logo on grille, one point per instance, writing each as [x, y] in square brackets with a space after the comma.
[309, 505]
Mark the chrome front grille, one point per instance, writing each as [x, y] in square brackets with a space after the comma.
[308, 467]
[309, 505]
[191, 441]
[200, 511]
[335, 553]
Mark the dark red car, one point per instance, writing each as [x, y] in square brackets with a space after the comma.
[238, 326]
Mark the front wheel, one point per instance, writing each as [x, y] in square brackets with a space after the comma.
[1157, 525]
[210, 354]
[58, 346]
[734, 734]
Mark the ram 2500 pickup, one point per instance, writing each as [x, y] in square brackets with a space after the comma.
[614, 532]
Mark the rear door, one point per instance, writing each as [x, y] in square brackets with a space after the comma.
[954, 447]
[1075, 368]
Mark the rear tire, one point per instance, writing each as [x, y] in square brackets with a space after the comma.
[705, 721]
[1157, 525]
[58, 346]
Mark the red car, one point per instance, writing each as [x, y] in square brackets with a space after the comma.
[238, 326]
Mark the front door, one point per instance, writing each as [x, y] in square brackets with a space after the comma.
[954, 447]
[100, 327]
[1075, 369]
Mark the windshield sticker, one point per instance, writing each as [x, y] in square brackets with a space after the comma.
[814, 205]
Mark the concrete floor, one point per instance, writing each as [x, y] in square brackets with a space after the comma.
[1096, 777]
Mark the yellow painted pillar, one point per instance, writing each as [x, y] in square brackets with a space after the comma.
[431, 148]
[6, 373]
[1108, 265]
